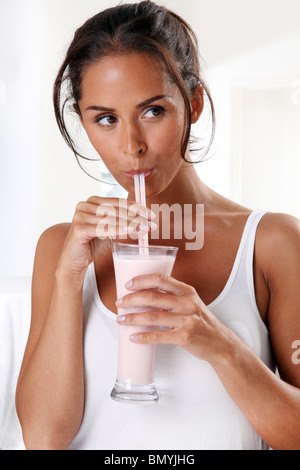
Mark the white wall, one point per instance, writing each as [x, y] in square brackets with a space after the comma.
[20, 50]
[239, 40]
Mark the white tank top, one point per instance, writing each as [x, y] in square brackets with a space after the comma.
[194, 410]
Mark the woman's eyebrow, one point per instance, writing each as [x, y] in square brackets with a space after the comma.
[150, 100]
[138, 106]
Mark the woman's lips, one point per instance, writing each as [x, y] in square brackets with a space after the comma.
[131, 173]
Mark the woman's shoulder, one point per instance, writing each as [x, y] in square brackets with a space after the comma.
[55, 232]
[50, 243]
[54, 236]
[278, 228]
[278, 242]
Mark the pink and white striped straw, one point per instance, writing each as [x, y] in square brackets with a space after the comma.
[140, 197]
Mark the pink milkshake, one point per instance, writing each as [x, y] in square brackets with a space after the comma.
[135, 376]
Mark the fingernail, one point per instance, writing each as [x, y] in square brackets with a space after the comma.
[121, 318]
[134, 338]
[152, 225]
[128, 229]
[144, 228]
[151, 214]
[119, 302]
[128, 284]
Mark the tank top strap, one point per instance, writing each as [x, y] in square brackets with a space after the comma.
[244, 259]
[247, 243]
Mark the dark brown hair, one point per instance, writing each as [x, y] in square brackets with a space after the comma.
[143, 27]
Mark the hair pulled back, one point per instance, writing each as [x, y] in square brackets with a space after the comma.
[143, 27]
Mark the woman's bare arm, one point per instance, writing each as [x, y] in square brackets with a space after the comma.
[50, 391]
[270, 403]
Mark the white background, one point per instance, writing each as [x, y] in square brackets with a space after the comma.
[249, 48]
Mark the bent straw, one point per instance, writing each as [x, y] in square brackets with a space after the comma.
[140, 196]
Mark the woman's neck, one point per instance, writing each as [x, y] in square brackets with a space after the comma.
[185, 188]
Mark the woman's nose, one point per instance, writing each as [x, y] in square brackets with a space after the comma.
[133, 142]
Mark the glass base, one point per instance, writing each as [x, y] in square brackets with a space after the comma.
[128, 393]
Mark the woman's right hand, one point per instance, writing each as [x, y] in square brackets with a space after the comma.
[95, 222]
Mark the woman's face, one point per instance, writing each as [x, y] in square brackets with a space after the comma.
[134, 118]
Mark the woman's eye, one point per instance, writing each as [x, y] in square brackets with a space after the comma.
[105, 121]
[155, 111]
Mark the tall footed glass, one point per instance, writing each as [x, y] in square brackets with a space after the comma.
[135, 372]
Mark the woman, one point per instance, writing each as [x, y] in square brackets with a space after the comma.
[231, 308]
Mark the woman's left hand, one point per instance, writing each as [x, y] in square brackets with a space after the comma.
[177, 306]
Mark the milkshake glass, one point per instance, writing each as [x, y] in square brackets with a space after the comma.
[135, 375]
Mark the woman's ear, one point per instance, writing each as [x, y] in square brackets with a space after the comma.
[197, 104]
